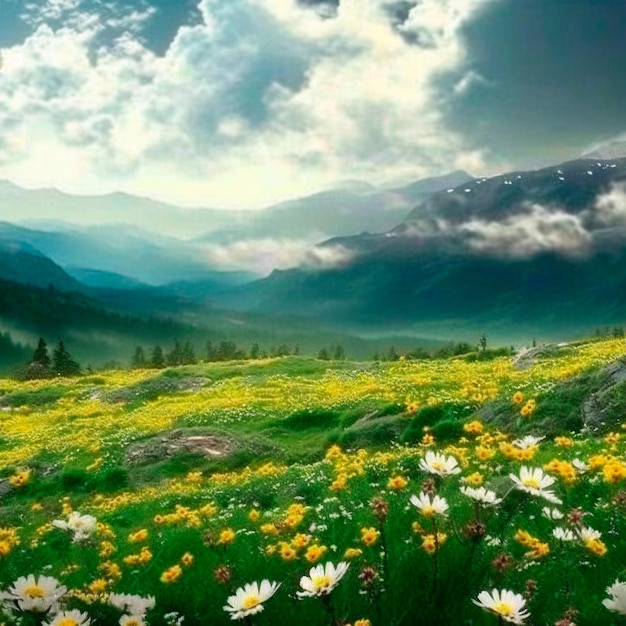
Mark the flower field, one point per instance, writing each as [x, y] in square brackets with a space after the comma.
[296, 491]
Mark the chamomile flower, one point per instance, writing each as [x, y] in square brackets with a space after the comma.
[617, 601]
[35, 594]
[82, 526]
[563, 534]
[133, 604]
[534, 482]
[505, 604]
[439, 464]
[322, 579]
[69, 618]
[483, 496]
[249, 599]
[429, 508]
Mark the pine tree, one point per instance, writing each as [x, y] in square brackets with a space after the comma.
[41, 355]
[255, 351]
[62, 362]
[139, 359]
[175, 355]
[188, 354]
[157, 360]
[339, 354]
[323, 354]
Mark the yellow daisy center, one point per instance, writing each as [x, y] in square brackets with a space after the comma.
[428, 511]
[250, 602]
[438, 466]
[533, 483]
[34, 592]
[68, 621]
[503, 608]
[320, 582]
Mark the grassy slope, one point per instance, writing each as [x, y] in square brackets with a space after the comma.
[272, 421]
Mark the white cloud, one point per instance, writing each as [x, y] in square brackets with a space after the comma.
[265, 99]
[261, 256]
[534, 230]
[610, 207]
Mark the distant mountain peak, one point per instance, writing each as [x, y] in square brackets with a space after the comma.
[607, 150]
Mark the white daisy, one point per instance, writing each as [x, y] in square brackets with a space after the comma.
[617, 601]
[133, 620]
[588, 534]
[437, 463]
[534, 481]
[322, 579]
[249, 599]
[135, 605]
[82, 526]
[482, 495]
[36, 595]
[69, 618]
[430, 508]
[505, 604]
[527, 442]
[563, 534]
[552, 514]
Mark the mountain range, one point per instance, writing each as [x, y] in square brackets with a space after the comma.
[526, 252]
[539, 252]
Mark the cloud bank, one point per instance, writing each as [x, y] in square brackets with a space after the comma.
[260, 100]
[532, 229]
[262, 256]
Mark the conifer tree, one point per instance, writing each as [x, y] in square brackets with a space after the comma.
[62, 362]
[188, 354]
[139, 359]
[41, 355]
[157, 360]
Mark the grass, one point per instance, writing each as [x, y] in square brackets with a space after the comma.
[314, 457]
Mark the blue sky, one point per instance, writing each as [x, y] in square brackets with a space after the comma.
[242, 103]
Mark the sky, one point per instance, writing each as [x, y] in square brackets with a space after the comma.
[243, 103]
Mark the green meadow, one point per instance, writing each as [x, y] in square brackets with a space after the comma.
[425, 482]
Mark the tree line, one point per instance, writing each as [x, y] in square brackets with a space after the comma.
[42, 365]
[185, 354]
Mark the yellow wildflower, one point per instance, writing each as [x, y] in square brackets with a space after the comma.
[432, 543]
[369, 536]
[352, 553]
[286, 551]
[614, 471]
[564, 442]
[171, 574]
[473, 428]
[20, 478]
[315, 553]
[397, 483]
[106, 549]
[269, 529]
[334, 452]
[98, 586]
[138, 536]
[227, 536]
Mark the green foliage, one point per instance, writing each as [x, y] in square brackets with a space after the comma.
[35, 398]
[445, 420]
[62, 362]
[310, 418]
[373, 433]
[447, 430]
